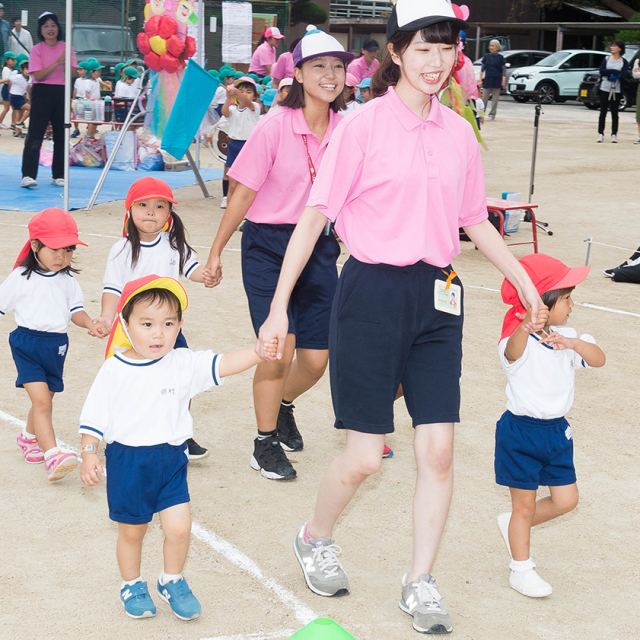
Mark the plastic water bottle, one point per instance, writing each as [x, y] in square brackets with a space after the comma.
[108, 110]
[88, 110]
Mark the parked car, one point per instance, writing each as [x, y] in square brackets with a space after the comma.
[590, 88]
[556, 77]
[514, 59]
[104, 42]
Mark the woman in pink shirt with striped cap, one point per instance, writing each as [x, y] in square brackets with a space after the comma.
[397, 313]
[264, 57]
[274, 171]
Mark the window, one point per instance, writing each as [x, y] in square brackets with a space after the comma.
[518, 60]
[553, 59]
[578, 61]
[596, 60]
[536, 57]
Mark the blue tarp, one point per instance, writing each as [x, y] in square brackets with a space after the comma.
[82, 182]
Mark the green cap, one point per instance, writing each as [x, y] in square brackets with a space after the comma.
[225, 72]
[9, 54]
[82, 65]
[93, 65]
[253, 76]
[322, 629]
[214, 74]
[91, 60]
[118, 67]
[238, 74]
[21, 57]
[131, 72]
[267, 80]
[131, 61]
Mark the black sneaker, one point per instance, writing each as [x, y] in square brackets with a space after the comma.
[196, 452]
[269, 458]
[287, 430]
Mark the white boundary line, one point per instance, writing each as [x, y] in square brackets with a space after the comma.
[302, 612]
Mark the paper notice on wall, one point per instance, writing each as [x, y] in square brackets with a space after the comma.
[237, 23]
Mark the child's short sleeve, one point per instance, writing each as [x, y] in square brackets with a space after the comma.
[76, 297]
[114, 273]
[95, 415]
[512, 367]
[9, 292]
[191, 264]
[576, 359]
[201, 370]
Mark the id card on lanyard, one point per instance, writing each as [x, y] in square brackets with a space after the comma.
[312, 173]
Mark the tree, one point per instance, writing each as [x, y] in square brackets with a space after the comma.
[307, 11]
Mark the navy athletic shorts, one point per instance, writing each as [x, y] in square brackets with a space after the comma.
[5, 92]
[263, 249]
[385, 331]
[39, 356]
[234, 148]
[142, 481]
[531, 452]
[17, 102]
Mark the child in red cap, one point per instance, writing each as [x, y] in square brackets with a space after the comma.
[534, 444]
[154, 242]
[45, 296]
[139, 405]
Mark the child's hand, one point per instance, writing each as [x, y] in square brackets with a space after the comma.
[560, 342]
[101, 328]
[212, 274]
[232, 92]
[91, 469]
[541, 323]
[271, 349]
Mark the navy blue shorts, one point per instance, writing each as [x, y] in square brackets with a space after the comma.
[531, 452]
[234, 148]
[5, 92]
[385, 332]
[142, 481]
[181, 342]
[263, 249]
[17, 102]
[39, 356]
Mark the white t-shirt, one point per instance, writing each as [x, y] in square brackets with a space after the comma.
[220, 96]
[351, 106]
[19, 84]
[242, 121]
[6, 73]
[157, 257]
[540, 383]
[91, 88]
[124, 90]
[78, 86]
[142, 403]
[44, 302]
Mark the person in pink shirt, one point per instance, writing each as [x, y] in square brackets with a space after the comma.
[284, 67]
[367, 64]
[398, 209]
[275, 170]
[46, 66]
[264, 57]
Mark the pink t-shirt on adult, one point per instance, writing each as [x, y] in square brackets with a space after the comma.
[360, 70]
[263, 55]
[398, 187]
[42, 56]
[274, 163]
[284, 67]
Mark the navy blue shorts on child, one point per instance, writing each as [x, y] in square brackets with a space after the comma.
[531, 452]
[263, 249]
[142, 481]
[39, 356]
[17, 102]
[5, 92]
[233, 149]
[385, 331]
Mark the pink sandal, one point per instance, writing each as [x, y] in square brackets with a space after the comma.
[31, 449]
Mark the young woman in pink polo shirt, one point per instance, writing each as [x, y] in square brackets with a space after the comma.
[284, 67]
[367, 64]
[274, 171]
[264, 57]
[392, 323]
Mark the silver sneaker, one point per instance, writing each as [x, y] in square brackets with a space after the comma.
[320, 565]
[423, 601]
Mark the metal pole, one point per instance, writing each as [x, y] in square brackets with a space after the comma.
[121, 31]
[589, 240]
[196, 172]
[478, 36]
[201, 63]
[67, 100]
[536, 123]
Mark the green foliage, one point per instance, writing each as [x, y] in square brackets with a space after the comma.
[627, 34]
[306, 11]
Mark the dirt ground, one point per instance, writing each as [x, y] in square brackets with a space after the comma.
[59, 577]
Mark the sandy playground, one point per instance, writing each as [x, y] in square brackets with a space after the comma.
[59, 577]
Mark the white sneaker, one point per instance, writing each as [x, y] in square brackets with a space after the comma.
[530, 584]
[636, 141]
[223, 203]
[503, 524]
[3, 126]
[614, 139]
[28, 182]
[58, 182]
[600, 138]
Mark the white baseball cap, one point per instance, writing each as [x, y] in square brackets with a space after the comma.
[273, 32]
[413, 15]
[316, 43]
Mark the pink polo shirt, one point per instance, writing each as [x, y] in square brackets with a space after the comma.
[284, 67]
[42, 56]
[274, 163]
[263, 55]
[398, 187]
[360, 70]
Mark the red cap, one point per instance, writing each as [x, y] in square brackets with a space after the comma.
[55, 228]
[147, 188]
[547, 274]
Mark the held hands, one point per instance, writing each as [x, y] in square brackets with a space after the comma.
[212, 274]
[273, 333]
[531, 325]
[101, 328]
[91, 469]
[271, 349]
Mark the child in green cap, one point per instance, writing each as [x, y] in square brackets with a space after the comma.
[7, 69]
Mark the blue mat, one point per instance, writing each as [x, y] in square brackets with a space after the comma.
[82, 182]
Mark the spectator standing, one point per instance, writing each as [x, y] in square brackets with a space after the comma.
[365, 66]
[494, 77]
[5, 30]
[264, 57]
[20, 39]
[613, 71]
[284, 67]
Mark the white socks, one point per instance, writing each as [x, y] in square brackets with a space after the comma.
[27, 436]
[522, 565]
[50, 452]
[130, 583]
[169, 577]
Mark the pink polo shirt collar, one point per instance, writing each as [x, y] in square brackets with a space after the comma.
[406, 117]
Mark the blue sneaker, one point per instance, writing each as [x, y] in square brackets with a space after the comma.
[178, 595]
[137, 601]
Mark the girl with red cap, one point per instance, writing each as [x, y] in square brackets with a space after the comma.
[534, 444]
[154, 241]
[45, 296]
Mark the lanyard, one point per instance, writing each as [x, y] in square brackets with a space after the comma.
[312, 173]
